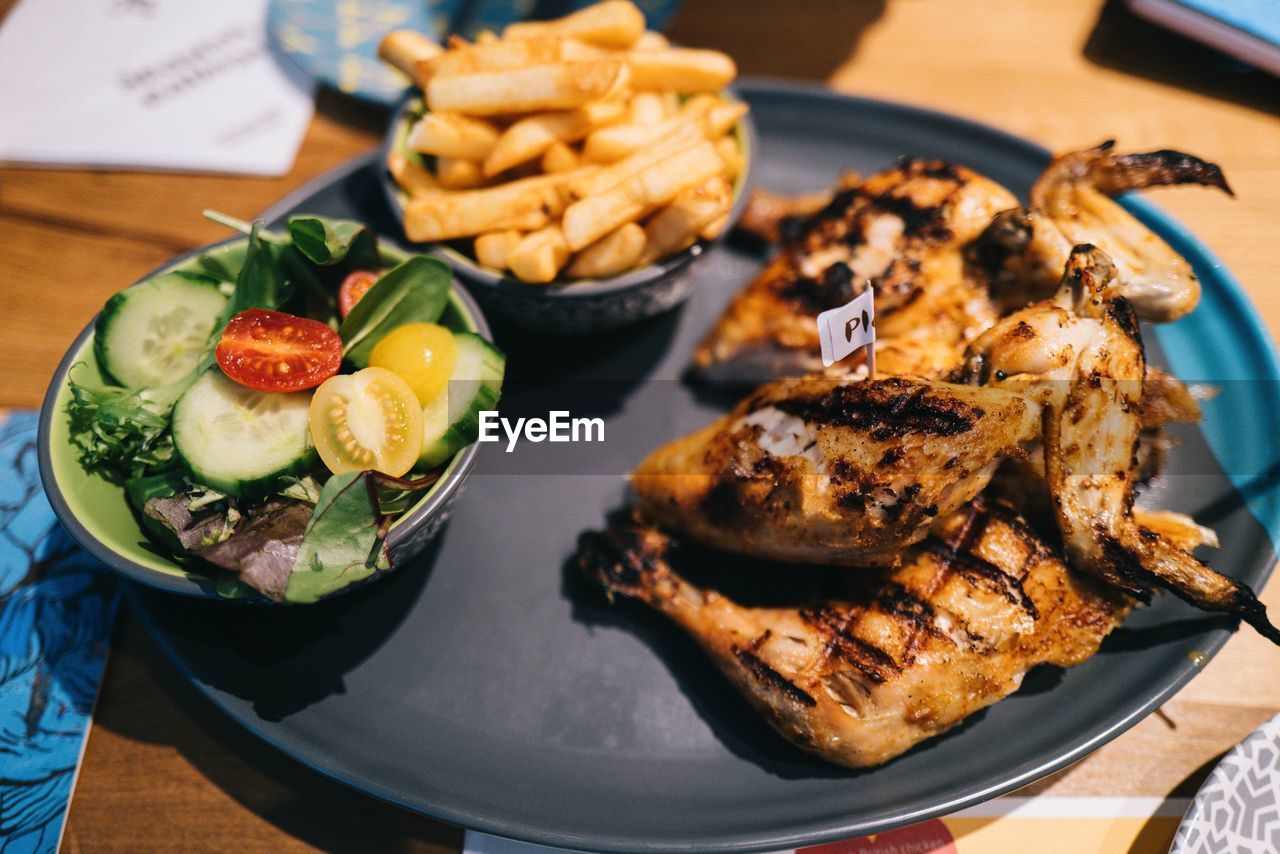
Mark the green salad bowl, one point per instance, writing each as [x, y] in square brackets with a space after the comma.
[95, 512]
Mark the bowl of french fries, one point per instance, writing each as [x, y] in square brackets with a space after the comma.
[571, 171]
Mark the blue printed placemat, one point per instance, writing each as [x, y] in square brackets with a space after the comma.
[57, 607]
[337, 42]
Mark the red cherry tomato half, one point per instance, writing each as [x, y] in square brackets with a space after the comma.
[274, 351]
[354, 286]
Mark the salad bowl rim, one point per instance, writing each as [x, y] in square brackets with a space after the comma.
[181, 581]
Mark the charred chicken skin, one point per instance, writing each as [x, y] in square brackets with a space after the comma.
[946, 252]
[1011, 342]
[841, 471]
[904, 231]
[1024, 250]
[834, 470]
[893, 658]
[1085, 365]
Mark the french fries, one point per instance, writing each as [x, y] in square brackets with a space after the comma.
[411, 177]
[493, 249]
[454, 173]
[408, 51]
[679, 223]
[591, 182]
[613, 23]
[588, 220]
[575, 148]
[651, 41]
[612, 254]
[524, 205]
[506, 55]
[453, 135]
[650, 108]
[559, 157]
[731, 153]
[526, 90]
[715, 228]
[529, 138]
[714, 116]
[538, 257]
[681, 69]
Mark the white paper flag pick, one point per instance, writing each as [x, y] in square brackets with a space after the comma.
[845, 329]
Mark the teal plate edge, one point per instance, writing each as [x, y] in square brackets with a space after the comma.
[1196, 346]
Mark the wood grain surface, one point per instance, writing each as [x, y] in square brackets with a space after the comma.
[163, 769]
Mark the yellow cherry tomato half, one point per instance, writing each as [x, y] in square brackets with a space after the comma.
[367, 420]
[422, 354]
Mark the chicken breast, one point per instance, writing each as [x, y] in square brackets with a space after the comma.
[834, 470]
[893, 658]
[904, 231]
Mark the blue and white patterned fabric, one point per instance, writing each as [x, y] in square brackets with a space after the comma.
[57, 606]
[336, 41]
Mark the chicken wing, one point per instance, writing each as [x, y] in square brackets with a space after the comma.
[894, 658]
[903, 230]
[1086, 367]
[1023, 251]
[834, 470]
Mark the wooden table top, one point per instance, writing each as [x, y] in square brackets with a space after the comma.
[163, 766]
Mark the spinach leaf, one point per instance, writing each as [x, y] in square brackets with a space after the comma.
[327, 241]
[261, 282]
[343, 542]
[414, 292]
[321, 301]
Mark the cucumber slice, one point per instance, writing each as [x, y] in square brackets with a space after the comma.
[452, 421]
[239, 441]
[156, 332]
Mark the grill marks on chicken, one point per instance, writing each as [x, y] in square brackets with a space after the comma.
[903, 231]
[1085, 365]
[832, 470]
[946, 251]
[861, 674]
[952, 596]
[1024, 250]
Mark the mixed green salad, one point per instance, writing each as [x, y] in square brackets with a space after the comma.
[271, 409]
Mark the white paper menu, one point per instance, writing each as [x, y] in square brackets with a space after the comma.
[184, 85]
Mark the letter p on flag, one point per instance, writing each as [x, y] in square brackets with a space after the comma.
[844, 330]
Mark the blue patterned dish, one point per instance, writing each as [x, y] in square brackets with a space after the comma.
[336, 42]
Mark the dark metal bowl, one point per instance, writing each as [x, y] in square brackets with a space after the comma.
[570, 307]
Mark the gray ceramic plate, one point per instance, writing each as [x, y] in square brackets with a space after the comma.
[485, 687]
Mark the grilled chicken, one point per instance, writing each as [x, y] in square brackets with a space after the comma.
[833, 470]
[1023, 251]
[904, 231]
[946, 252]
[1084, 364]
[890, 659]
[774, 218]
